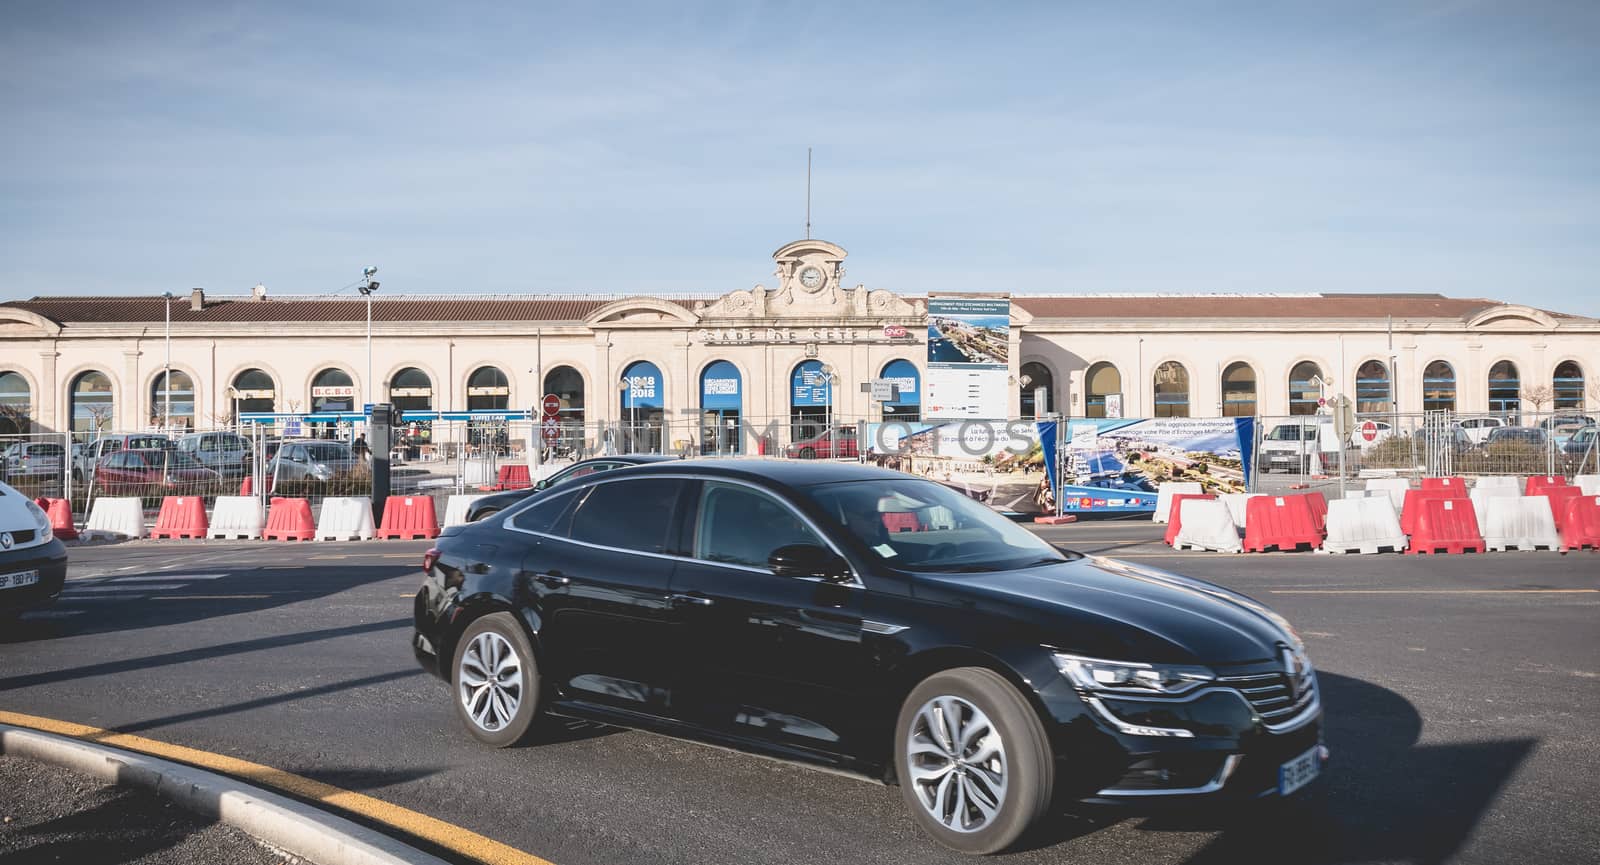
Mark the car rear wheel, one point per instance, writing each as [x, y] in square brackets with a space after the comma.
[973, 760]
[485, 514]
[496, 681]
[808, 453]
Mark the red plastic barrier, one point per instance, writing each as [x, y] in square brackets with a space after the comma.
[408, 518]
[1443, 483]
[1559, 498]
[1580, 526]
[1283, 522]
[1174, 520]
[60, 513]
[1537, 483]
[901, 522]
[1319, 510]
[247, 486]
[1447, 525]
[513, 477]
[1411, 510]
[181, 517]
[290, 520]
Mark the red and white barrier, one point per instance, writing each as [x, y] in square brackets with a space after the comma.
[1518, 523]
[1206, 525]
[1365, 525]
[1164, 494]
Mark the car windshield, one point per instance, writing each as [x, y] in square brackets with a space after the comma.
[923, 526]
[324, 452]
[1292, 433]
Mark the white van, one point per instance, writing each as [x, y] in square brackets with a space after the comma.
[1288, 447]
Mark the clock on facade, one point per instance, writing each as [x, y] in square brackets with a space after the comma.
[811, 278]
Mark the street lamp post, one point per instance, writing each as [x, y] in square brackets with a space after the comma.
[368, 288]
[827, 409]
[166, 376]
[627, 401]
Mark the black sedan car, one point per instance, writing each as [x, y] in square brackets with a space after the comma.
[870, 622]
[494, 503]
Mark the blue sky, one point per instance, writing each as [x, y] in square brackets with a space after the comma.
[602, 147]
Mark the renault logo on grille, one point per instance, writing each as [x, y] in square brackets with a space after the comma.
[6, 540]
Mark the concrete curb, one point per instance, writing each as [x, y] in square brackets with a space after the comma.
[294, 827]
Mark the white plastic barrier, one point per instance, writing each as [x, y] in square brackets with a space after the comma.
[1480, 499]
[1238, 505]
[1395, 487]
[1590, 484]
[236, 518]
[345, 518]
[1164, 496]
[1207, 525]
[1366, 525]
[1499, 482]
[1519, 523]
[114, 518]
[456, 507]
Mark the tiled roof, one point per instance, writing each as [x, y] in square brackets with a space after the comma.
[1402, 306]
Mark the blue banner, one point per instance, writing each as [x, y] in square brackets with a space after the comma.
[1113, 465]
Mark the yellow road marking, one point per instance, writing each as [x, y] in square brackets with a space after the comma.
[1434, 591]
[206, 597]
[450, 837]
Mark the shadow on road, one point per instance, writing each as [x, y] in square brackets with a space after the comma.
[1385, 797]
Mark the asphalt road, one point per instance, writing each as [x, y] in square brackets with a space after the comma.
[1461, 694]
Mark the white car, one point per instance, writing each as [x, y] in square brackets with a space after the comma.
[33, 564]
[1478, 428]
[33, 460]
[1381, 429]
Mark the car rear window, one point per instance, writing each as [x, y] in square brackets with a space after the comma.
[45, 450]
[329, 452]
[149, 443]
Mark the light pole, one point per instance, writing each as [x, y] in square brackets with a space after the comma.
[166, 376]
[827, 409]
[627, 400]
[368, 288]
[233, 392]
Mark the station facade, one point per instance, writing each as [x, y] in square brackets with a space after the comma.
[798, 350]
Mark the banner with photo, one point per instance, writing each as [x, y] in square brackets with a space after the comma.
[1115, 465]
[969, 345]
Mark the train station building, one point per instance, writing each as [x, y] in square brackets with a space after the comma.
[799, 348]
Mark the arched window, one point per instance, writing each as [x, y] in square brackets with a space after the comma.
[332, 390]
[16, 404]
[254, 390]
[1372, 388]
[567, 384]
[411, 390]
[1172, 390]
[644, 406]
[907, 405]
[488, 389]
[172, 407]
[1303, 392]
[721, 400]
[93, 405]
[1439, 387]
[1238, 390]
[1103, 384]
[1037, 381]
[1567, 386]
[810, 400]
[1505, 388]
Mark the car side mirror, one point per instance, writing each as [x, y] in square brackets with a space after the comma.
[543, 483]
[809, 560]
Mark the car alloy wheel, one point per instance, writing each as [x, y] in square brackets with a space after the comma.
[490, 682]
[957, 762]
[496, 680]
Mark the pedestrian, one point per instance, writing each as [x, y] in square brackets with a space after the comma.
[359, 446]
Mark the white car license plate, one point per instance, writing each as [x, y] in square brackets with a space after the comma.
[22, 578]
[1299, 772]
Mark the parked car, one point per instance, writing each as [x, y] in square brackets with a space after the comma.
[152, 473]
[1527, 435]
[768, 606]
[313, 460]
[494, 503]
[33, 563]
[1382, 429]
[1561, 427]
[830, 443]
[34, 460]
[1479, 428]
[226, 453]
[1288, 447]
[1582, 441]
[89, 456]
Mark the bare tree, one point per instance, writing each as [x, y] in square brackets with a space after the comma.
[1538, 395]
[101, 415]
[16, 417]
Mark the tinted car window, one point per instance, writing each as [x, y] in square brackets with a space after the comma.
[743, 526]
[548, 516]
[630, 515]
[578, 471]
[323, 452]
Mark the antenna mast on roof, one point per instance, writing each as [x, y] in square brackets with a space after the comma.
[808, 193]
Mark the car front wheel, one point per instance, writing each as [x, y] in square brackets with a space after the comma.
[496, 681]
[973, 760]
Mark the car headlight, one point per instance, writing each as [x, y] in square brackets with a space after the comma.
[1131, 677]
[41, 521]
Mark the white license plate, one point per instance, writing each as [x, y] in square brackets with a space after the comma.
[22, 578]
[1299, 772]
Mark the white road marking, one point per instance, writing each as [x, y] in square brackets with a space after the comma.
[80, 591]
[166, 578]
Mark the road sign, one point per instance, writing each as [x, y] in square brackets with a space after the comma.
[1322, 402]
[551, 430]
[884, 391]
[1369, 431]
[551, 404]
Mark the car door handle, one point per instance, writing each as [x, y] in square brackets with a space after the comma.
[696, 600]
[554, 580]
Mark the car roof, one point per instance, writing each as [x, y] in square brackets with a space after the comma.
[793, 473]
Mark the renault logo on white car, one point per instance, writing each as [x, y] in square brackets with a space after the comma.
[6, 540]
